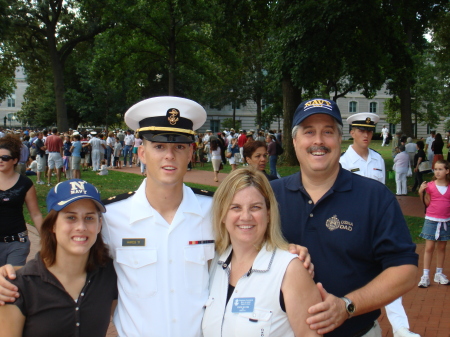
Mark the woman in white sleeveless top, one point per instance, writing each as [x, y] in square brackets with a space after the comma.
[257, 287]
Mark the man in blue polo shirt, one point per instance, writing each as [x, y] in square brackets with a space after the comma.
[353, 227]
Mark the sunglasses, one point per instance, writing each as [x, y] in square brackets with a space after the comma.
[6, 158]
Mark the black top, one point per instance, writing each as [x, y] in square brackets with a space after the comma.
[419, 154]
[437, 147]
[51, 311]
[11, 207]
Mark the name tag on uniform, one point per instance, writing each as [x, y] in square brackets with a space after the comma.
[377, 169]
[354, 170]
[243, 304]
[133, 242]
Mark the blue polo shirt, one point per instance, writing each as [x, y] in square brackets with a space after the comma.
[353, 233]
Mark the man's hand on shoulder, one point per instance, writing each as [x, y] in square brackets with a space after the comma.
[8, 291]
[303, 255]
[328, 314]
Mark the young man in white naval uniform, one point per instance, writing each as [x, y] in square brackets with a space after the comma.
[359, 158]
[362, 160]
[161, 235]
[385, 134]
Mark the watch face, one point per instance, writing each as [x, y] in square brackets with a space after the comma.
[351, 308]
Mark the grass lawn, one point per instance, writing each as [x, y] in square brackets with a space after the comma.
[118, 182]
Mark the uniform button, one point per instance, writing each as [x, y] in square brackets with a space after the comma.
[135, 262]
[235, 290]
[174, 320]
[254, 315]
[82, 294]
[77, 308]
[170, 261]
[310, 202]
[311, 215]
[172, 291]
[78, 324]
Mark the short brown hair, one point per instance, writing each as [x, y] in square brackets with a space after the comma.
[236, 181]
[98, 254]
[251, 147]
[13, 144]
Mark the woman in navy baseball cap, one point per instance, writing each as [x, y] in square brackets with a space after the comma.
[70, 287]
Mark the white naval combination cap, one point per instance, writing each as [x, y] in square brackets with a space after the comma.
[364, 120]
[166, 119]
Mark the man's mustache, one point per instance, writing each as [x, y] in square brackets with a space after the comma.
[318, 148]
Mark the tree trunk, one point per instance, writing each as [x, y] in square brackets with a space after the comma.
[258, 112]
[405, 110]
[292, 97]
[58, 82]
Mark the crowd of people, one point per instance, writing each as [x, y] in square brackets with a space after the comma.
[170, 260]
[228, 147]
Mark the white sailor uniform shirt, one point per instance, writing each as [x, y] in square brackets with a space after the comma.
[162, 269]
[373, 167]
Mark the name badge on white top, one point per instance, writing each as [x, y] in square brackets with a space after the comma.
[243, 304]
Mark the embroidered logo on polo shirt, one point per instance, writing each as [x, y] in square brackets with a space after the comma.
[334, 223]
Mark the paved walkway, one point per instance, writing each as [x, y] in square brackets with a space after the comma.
[428, 309]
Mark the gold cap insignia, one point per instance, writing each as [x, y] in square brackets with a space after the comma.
[368, 120]
[173, 116]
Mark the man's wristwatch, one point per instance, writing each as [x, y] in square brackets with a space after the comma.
[349, 306]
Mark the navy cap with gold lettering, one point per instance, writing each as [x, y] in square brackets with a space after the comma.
[316, 106]
[363, 121]
[166, 119]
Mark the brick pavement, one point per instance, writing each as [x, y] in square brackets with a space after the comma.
[428, 309]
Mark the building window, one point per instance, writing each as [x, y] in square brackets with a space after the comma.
[12, 101]
[392, 129]
[373, 107]
[214, 125]
[235, 105]
[352, 107]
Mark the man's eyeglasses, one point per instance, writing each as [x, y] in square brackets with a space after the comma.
[6, 158]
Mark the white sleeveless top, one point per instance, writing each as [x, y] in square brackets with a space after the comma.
[263, 284]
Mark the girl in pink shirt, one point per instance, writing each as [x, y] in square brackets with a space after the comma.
[436, 196]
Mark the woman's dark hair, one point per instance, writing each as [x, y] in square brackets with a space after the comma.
[98, 254]
[251, 147]
[438, 138]
[420, 145]
[13, 144]
[214, 144]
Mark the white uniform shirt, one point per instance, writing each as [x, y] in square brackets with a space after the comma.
[263, 284]
[96, 144]
[163, 284]
[373, 168]
[385, 132]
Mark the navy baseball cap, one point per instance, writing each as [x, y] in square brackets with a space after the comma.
[67, 192]
[316, 106]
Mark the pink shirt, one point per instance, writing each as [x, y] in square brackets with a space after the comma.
[439, 206]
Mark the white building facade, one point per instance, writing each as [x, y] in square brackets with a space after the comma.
[12, 104]
[352, 103]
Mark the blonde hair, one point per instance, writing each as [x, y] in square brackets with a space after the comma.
[236, 181]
